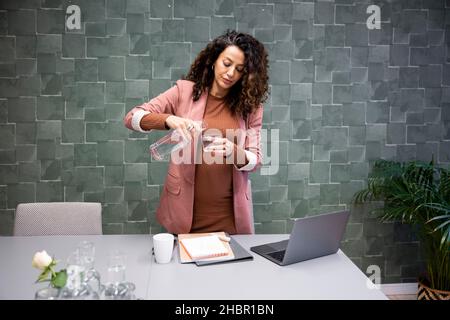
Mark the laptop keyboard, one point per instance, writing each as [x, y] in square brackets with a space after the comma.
[278, 255]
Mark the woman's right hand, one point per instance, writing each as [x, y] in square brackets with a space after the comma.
[183, 125]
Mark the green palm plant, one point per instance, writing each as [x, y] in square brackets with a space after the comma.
[416, 193]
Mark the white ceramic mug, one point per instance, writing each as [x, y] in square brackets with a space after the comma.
[163, 247]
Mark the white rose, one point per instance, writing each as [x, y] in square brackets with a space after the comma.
[41, 260]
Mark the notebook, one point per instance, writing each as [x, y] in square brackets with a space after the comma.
[203, 246]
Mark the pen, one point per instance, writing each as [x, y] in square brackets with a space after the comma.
[223, 238]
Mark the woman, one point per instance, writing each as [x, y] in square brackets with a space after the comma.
[225, 87]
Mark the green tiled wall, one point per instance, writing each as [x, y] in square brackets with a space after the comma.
[341, 96]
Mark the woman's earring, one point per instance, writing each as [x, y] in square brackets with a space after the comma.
[212, 67]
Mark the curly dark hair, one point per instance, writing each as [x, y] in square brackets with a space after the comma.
[252, 89]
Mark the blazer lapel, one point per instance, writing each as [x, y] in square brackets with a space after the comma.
[241, 137]
[198, 107]
[195, 113]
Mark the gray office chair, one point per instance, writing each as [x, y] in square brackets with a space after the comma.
[58, 218]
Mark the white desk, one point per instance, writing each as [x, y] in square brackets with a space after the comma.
[330, 277]
[17, 276]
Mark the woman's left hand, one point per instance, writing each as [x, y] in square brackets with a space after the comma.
[221, 146]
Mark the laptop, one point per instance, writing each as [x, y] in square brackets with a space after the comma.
[311, 237]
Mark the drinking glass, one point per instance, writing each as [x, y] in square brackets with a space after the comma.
[116, 288]
[91, 276]
[208, 137]
[161, 149]
[48, 293]
[122, 291]
[83, 281]
[116, 267]
[87, 253]
[75, 273]
[173, 141]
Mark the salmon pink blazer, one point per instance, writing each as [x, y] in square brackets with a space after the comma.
[175, 209]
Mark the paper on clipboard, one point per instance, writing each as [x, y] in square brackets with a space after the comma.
[184, 256]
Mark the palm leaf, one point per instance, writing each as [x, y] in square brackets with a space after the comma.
[416, 193]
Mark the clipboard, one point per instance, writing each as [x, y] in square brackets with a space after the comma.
[240, 254]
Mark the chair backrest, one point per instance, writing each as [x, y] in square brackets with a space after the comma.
[58, 218]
